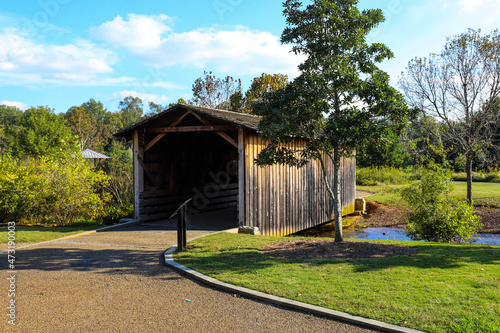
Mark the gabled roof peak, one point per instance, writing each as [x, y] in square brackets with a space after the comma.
[248, 121]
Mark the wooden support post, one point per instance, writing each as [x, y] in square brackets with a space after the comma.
[241, 177]
[137, 175]
[141, 169]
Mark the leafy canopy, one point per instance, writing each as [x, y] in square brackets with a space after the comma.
[40, 132]
[341, 99]
[131, 110]
[265, 83]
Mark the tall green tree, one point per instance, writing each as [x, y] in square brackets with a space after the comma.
[91, 132]
[95, 109]
[155, 108]
[42, 133]
[390, 150]
[459, 87]
[9, 119]
[341, 100]
[265, 83]
[131, 110]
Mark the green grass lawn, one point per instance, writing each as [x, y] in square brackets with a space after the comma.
[42, 234]
[483, 193]
[444, 288]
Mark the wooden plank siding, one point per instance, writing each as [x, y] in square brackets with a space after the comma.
[158, 205]
[282, 200]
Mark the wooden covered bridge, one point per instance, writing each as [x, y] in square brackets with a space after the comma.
[208, 155]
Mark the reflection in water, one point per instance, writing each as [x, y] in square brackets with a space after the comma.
[388, 233]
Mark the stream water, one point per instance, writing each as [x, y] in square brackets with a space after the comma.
[388, 233]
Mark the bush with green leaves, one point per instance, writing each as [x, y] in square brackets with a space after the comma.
[479, 176]
[384, 175]
[435, 216]
[51, 190]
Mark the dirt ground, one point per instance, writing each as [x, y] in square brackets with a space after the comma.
[326, 248]
[378, 215]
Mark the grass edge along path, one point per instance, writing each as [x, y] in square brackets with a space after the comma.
[27, 234]
[72, 234]
[444, 288]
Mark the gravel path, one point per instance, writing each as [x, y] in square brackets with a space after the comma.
[112, 281]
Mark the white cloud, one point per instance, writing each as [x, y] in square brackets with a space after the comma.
[145, 97]
[470, 5]
[19, 105]
[237, 51]
[140, 32]
[485, 5]
[80, 61]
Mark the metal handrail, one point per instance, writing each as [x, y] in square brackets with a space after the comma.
[181, 213]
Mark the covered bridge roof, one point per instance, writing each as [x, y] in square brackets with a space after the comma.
[250, 122]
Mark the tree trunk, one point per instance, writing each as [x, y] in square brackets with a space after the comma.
[468, 171]
[337, 202]
[334, 196]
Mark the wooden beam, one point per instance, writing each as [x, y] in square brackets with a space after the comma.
[221, 134]
[141, 173]
[227, 138]
[211, 128]
[154, 141]
[146, 169]
[176, 122]
[137, 172]
[241, 178]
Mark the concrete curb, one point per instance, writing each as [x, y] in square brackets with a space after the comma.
[296, 305]
[77, 235]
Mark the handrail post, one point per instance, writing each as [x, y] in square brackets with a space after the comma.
[181, 225]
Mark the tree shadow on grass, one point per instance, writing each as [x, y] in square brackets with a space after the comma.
[434, 256]
[242, 262]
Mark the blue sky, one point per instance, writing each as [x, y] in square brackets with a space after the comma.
[61, 53]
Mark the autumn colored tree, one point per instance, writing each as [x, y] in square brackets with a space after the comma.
[213, 92]
[263, 84]
[91, 133]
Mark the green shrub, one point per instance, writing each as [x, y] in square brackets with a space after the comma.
[50, 190]
[435, 217]
[490, 177]
[384, 175]
[115, 212]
